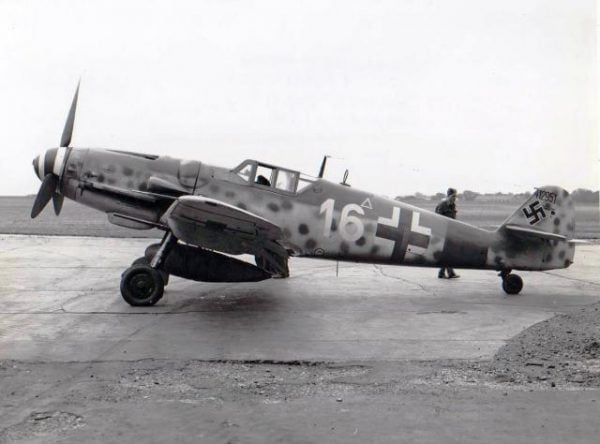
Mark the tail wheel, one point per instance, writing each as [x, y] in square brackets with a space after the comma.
[144, 261]
[142, 285]
[512, 284]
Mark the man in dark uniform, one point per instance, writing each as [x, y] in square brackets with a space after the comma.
[447, 207]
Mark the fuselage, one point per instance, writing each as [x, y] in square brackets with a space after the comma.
[318, 218]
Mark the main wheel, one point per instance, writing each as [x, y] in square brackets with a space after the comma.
[142, 285]
[512, 284]
[144, 261]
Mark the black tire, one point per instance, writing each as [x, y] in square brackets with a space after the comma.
[142, 285]
[145, 261]
[512, 284]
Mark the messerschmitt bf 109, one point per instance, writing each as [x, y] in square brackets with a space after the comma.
[210, 213]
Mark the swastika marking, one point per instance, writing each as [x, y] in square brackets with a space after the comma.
[534, 213]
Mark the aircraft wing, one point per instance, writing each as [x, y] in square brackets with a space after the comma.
[216, 225]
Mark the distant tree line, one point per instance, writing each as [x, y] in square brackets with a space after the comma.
[585, 196]
[580, 195]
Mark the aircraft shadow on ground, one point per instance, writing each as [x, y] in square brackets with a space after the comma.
[224, 300]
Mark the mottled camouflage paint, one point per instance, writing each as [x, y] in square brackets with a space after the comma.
[556, 212]
[392, 232]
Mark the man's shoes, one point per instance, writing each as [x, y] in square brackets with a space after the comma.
[453, 276]
[441, 275]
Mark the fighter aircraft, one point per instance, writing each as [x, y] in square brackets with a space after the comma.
[209, 214]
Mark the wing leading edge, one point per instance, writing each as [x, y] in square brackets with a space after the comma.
[216, 225]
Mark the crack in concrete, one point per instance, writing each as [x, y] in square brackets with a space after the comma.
[583, 281]
[113, 347]
[384, 274]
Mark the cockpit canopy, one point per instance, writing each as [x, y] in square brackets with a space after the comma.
[270, 176]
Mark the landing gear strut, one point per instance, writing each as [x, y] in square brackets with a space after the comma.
[511, 283]
[144, 282]
[277, 266]
[274, 260]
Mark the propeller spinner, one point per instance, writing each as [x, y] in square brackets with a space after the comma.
[48, 166]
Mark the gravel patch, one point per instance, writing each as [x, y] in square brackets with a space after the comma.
[562, 350]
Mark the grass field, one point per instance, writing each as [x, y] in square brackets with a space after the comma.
[77, 220]
[490, 215]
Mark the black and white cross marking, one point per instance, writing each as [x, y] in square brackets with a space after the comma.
[534, 212]
[404, 230]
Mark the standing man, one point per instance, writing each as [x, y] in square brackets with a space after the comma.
[447, 207]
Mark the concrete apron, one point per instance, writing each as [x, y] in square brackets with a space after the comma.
[61, 302]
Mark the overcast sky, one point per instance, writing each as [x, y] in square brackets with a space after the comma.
[410, 95]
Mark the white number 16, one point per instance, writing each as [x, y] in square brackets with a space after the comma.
[351, 227]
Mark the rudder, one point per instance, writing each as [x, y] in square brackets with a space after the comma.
[550, 209]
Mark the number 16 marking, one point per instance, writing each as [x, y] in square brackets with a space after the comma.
[351, 227]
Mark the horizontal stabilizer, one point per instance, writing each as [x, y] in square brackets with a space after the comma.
[533, 232]
[579, 242]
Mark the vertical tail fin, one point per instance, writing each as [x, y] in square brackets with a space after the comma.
[550, 209]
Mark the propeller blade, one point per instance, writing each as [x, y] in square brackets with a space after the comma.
[65, 140]
[44, 195]
[57, 202]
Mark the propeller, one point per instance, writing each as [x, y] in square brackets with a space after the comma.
[57, 202]
[65, 140]
[47, 190]
[45, 165]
